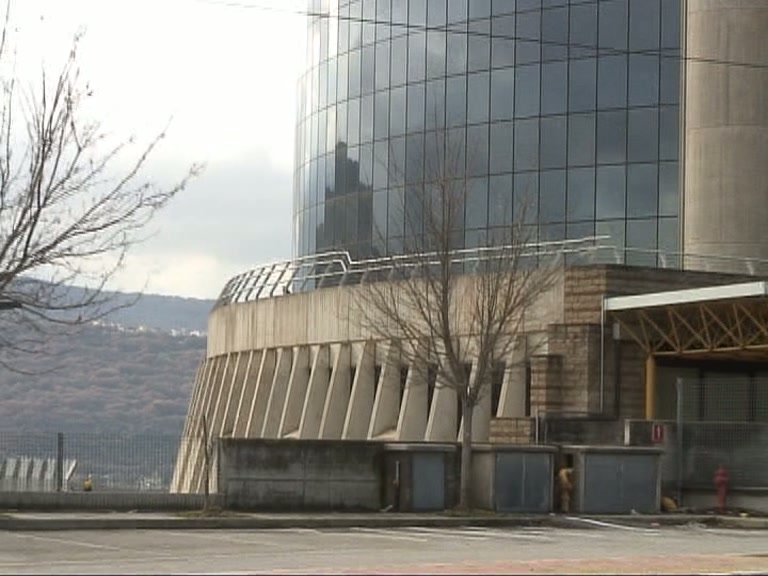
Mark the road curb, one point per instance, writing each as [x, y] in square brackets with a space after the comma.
[374, 521]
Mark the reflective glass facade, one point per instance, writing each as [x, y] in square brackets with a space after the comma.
[573, 102]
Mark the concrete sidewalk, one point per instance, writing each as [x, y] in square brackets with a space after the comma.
[58, 521]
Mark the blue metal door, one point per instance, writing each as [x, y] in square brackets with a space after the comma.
[523, 482]
[428, 482]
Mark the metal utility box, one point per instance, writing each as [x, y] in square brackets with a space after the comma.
[421, 477]
[615, 479]
[513, 479]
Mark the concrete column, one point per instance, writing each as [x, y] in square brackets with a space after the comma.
[276, 401]
[412, 423]
[442, 425]
[247, 394]
[314, 402]
[386, 404]
[261, 394]
[297, 391]
[235, 392]
[337, 400]
[358, 417]
[512, 402]
[481, 414]
[725, 202]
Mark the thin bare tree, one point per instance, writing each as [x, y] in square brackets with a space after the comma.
[455, 312]
[73, 202]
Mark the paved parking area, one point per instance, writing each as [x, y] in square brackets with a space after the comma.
[598, 548]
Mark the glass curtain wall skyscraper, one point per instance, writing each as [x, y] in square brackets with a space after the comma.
[572, 103]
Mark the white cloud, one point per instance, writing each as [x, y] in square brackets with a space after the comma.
[227, 76]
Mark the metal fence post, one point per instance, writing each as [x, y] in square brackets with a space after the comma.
[59, 461]
[679, 426]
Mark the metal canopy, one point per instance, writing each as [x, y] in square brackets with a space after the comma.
[731, 319]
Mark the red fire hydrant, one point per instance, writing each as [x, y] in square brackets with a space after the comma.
[721, 484]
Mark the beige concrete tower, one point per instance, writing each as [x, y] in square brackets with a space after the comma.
[725, 198]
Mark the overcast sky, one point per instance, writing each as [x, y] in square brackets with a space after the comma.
[226, 74]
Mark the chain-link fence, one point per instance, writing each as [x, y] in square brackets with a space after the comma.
[723, 420]
[63, 462]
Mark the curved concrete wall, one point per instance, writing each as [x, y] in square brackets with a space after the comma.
[726, 134]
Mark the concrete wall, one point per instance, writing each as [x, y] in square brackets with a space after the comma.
[726, 133]
[300, 475]
[106, 501]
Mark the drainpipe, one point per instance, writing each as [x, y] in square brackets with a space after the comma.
[602, 355]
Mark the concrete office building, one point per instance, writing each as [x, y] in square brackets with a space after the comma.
[642, 122]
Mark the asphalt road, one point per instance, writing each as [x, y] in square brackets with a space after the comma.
[598, 548]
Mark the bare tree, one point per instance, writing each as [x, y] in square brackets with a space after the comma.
[72, 202]
[448, 307]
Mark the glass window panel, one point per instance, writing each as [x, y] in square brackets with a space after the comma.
[342, 76]
[527, 91]
[414, 159]
[399, 61]
[369, 16]
[583, 29]
[354, 73]
[383, 18]
[456, 52]
[436, 13]
[355, 34]
[380, 165]
[417, 12]
[527, 144]
[366, 167]
[434, 157]
[669, 242]
[350, 210]
[478, 97]
[526, 198]
[670, 81]
[641, 242]
[528, 35]
[552, 202]
[456, 101]
[341, 170]
[479, 43]
[669, 191]
[501, 147]
[479, 9]
[581, 139]
[476, 206]
[365, 223]
[611, 190]
[366, 119]
[323, 86]
[477, 150]
[502, 93]
[367, 69]
[644, 24]
[353, 122]
[417, 56]
[322, 128]
[341, 123]
[456, 152]
[642, 190]
[670, 23]
[612, 82]
[397, 112]
[612, 137]
[353, 170]
[643, 80]
[613, 24]
[396, 172]
[330, 136]
[616, 232]
[416, 107]
[503, 7]
[553, 142]
[581, 194]
[435, 110]
[582, 84]
[332, 80]
[457, 10]
[554, 34]
[399, 17]
[435, 54]
[381, 111]
[382, 66]
[669, 133]
[380, 217]
[554, 88]
[343, 45]
[643, 140]
[503, 41]
[500, 200]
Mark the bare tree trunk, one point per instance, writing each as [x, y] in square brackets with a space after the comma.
[466, 455]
